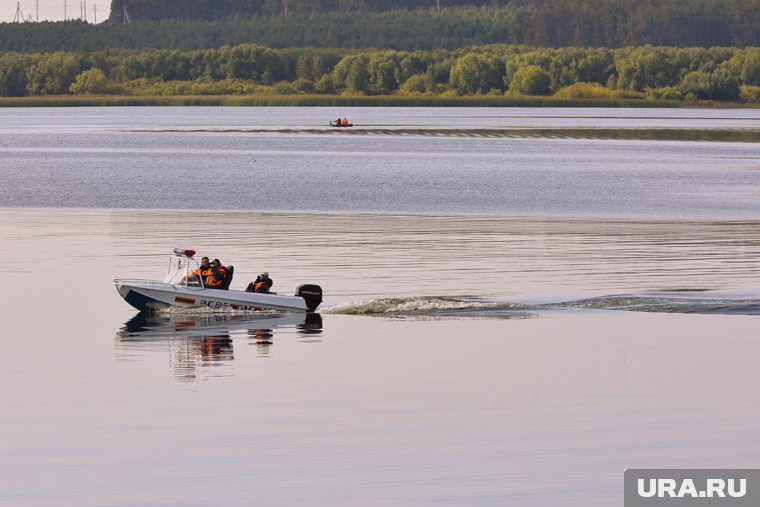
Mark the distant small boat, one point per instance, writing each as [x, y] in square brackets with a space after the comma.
[340, 125]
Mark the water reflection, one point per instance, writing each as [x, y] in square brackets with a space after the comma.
[199, 343]
[311, 325]
[735, 134]
[188, 356]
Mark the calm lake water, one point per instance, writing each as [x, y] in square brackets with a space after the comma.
[519, 304]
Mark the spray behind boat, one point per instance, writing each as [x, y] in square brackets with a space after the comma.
[312, 294]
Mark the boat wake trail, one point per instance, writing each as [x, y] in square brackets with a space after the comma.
[743, 135]
[417, 306]
[667, 304]
[473, 307]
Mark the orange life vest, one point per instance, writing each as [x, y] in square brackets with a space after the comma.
[201, 273]
[261, 286]
[211, 281]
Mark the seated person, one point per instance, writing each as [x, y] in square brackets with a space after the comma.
[262, 283]
[200, 273]
[216, 276]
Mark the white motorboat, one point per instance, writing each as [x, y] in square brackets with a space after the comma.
[181, 288]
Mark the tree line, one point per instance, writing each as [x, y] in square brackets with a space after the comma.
[633, 72]
[216, 9]
[543, 23]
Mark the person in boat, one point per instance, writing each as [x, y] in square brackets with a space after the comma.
[345, 121]
[262, 283]
[216, 276]
[201, 272]
[203, 267]
[337, 122]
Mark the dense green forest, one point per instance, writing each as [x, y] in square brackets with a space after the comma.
[645, 72]
[216, 9]
[337, 23]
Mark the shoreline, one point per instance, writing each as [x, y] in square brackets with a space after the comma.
[618, 219]
[303, 100]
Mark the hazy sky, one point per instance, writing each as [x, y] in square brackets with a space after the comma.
[54, 9]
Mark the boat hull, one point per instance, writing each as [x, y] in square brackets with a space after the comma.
[147, 295]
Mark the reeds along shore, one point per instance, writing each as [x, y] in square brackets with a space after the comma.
[337, 100]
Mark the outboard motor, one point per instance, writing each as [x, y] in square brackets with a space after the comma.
[312, 294]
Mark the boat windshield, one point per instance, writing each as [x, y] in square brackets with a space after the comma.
[182, 271]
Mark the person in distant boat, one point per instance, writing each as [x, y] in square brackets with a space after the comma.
[338, 121]
[216, 276]
[345, 121]
[262, 283]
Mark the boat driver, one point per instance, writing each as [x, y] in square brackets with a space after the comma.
[201, 272]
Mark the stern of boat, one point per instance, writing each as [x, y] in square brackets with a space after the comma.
[311, 294]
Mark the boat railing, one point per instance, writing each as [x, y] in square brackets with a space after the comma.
[156, 283]
[139, 280]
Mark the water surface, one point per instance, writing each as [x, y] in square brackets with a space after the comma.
[487, 372]
[508, 319]
[685, 163]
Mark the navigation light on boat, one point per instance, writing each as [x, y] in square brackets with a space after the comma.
[186, 253]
